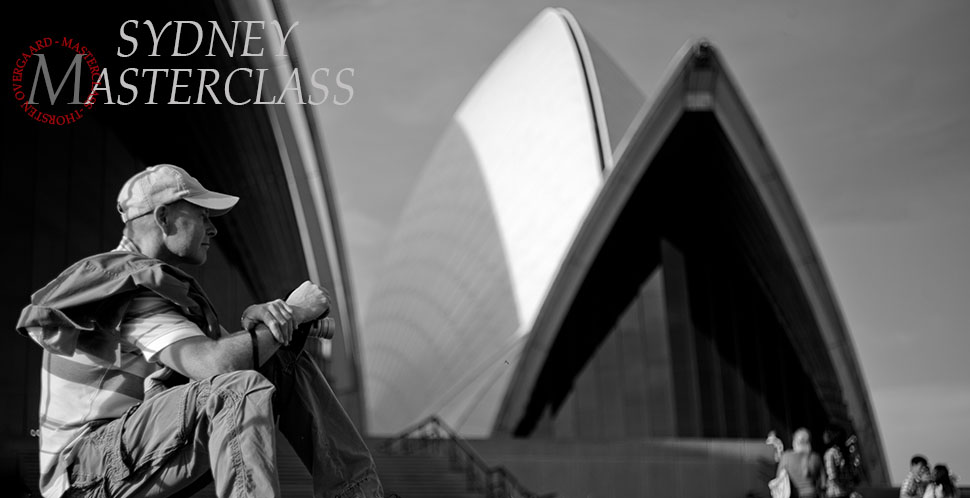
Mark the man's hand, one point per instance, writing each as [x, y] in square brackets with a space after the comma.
[308, 302]
[280, 317]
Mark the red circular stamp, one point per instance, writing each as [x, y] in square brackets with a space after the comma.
[54, 80]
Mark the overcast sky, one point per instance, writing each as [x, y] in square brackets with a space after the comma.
[864, 103]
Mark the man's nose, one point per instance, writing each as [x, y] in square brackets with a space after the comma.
[210, 229]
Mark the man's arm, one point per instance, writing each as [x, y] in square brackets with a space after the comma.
[201, 357]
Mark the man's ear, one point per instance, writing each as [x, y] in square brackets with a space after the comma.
[162, 214]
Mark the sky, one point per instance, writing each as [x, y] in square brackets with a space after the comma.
[864, 103]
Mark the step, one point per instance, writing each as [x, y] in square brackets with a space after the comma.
[423, 476]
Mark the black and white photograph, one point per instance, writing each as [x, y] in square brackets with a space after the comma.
[486, 249]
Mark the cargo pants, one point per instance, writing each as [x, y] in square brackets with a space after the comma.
[225, 424]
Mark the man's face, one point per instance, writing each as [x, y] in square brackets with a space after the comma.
[191, 232]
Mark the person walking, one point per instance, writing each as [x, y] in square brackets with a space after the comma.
[839, 482]
[802, 465]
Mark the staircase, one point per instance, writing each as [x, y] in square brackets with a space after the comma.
[431, 460]
[423, 476]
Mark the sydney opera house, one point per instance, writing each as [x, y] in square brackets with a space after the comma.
[605, 293]
[583, 272]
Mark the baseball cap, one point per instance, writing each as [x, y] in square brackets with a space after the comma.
[164, 184]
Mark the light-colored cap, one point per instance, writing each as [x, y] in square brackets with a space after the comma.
[164, 184]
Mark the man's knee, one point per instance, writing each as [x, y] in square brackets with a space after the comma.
[243, 385]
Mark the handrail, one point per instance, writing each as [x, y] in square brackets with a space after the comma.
[498, 478]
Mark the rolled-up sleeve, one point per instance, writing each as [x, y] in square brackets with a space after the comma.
[152, 323]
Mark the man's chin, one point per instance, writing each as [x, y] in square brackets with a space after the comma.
[195, 261]
[202, 256]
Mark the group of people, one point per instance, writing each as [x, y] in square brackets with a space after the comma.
[923, 483]
[806, 475]
[803, 474]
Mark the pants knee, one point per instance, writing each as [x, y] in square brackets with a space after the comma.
[244, 386]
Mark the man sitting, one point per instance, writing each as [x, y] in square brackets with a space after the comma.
[144, 392]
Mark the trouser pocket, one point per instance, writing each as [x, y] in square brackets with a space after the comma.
[97, 458]
[117, 454]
